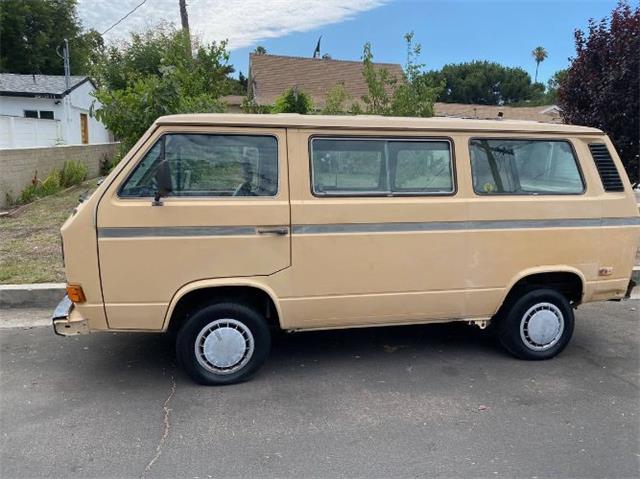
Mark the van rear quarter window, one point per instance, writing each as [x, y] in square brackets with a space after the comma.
[209, 165]
[376, 167]
[507, 166]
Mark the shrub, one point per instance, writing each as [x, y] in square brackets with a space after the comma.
[293, 101]
[39, 189]
[28, 195]
[51, 184]
[336, 98]
[72, 173]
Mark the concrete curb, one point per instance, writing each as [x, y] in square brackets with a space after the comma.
[31, 295]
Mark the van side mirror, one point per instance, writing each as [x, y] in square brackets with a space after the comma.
[163, 183]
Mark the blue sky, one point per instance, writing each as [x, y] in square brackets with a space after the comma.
[450, 31]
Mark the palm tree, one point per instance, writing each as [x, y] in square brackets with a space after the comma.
[539, 54]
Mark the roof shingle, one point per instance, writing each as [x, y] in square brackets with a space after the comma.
[271, 75]
[32, 85]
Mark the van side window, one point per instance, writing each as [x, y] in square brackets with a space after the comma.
[203, 165]
[524, 167]
[380, 167]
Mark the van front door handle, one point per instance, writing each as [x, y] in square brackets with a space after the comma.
[272, 230]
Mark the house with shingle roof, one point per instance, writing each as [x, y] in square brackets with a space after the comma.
[271, 75]
[43, 110]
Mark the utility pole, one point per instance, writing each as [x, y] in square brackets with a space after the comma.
[67, 86]
[67, 65]
[184, 18]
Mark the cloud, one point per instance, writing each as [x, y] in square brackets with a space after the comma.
[242, 22]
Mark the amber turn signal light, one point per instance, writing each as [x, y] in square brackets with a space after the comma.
[75, 293]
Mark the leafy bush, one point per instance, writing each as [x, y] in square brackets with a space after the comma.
[336, 98]
[109, 162]
[51, 184]
[410, 96]
[293, 101]
[159, 73]
[72, 173]
[250, 106]
[39, 189]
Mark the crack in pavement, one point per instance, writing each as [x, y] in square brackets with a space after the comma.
[167, 427]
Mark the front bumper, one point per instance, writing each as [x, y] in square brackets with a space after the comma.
[65, 323]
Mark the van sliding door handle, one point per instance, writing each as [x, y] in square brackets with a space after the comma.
[272, 230]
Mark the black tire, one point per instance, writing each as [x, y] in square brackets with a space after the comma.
[230, 319]
[515, 329]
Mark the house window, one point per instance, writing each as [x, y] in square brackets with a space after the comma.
[44, 114]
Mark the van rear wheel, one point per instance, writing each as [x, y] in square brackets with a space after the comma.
[536, 325]
[223, 343]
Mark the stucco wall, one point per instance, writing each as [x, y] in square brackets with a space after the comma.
[18, 166]
[21, 132]
[80, 100]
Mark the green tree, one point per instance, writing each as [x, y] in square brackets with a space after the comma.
[553, 84]
[482, 82]
[334, 103]
[150, 76]
[415, 96]
[260, 50]
[148, 52]
[243, 81]
[539, 54]
[601, 88]
[31, 31]
[380, 85]
[293, 101]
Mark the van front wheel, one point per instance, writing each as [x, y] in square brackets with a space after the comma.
[223, 343]
[536, 325]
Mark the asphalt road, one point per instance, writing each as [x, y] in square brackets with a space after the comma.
[434, 401]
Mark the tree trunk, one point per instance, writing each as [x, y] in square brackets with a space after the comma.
[535, 80]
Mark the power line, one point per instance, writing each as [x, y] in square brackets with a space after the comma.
[118, 22]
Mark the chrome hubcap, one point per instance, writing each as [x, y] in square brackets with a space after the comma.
[542, 326]
[224, 346]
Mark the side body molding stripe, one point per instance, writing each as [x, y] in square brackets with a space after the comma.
[131, 232]
[465, 225]
[134, 232]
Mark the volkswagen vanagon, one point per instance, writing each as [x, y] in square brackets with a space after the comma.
[221, 227]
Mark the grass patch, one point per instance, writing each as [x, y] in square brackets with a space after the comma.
[30, 239]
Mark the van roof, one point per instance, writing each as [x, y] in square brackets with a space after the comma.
[443, 124]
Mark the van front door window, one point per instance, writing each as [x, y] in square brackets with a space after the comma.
[209, 166]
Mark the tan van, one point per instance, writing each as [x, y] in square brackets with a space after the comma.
[221, 227]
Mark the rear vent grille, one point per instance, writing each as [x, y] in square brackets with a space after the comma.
[606, 168]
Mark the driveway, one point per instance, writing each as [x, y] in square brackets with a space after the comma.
[434, 401]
